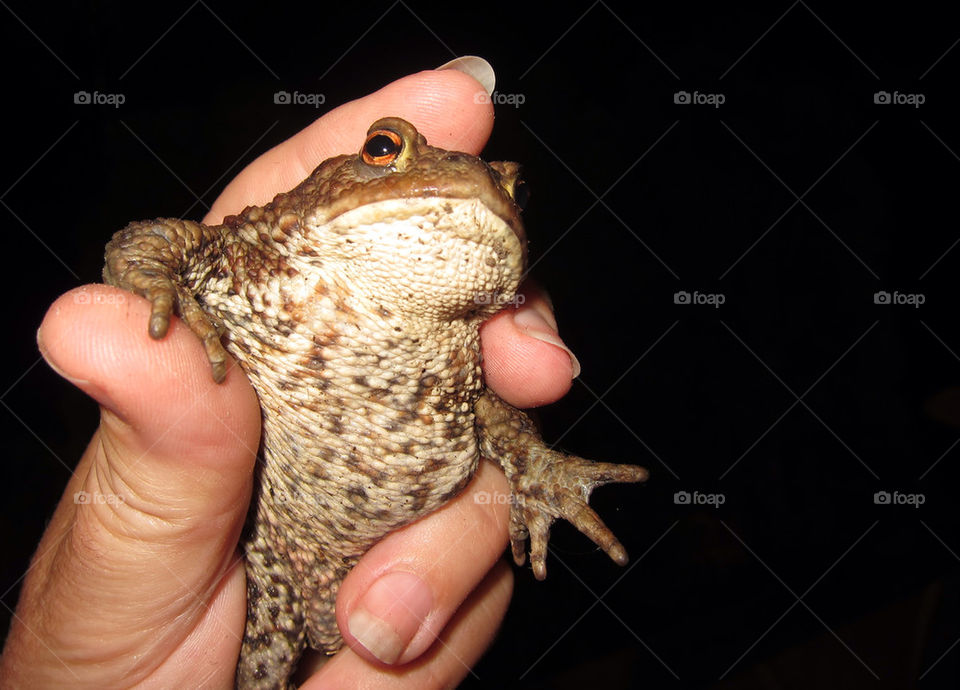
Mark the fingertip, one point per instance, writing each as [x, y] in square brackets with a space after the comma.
[397, 600]
[448, 107]
[524, 359]
[96, 337]
[463, 640]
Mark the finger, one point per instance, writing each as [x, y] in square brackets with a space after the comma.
[443, 105]
[524, 359]
[143, 545]
[158, 395]
[397, 600]
[447, 662]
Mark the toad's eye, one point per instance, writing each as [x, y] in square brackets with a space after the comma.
[381, 148]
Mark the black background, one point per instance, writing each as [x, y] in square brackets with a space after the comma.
[799, 579]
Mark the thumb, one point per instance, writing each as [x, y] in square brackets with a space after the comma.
[137, 574]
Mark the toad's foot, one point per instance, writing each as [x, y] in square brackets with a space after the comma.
[545, 483]
[159, 260]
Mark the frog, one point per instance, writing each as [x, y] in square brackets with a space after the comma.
[353, 305]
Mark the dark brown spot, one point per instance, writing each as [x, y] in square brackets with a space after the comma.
[434, 464]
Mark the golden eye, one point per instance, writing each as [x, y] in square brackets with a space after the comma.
[381, 148]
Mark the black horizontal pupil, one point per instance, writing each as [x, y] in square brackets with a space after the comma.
[381, 145]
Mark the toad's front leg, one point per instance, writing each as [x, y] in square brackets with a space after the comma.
[545, 483]
[167, 261]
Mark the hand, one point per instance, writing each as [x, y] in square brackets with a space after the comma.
[137, 577]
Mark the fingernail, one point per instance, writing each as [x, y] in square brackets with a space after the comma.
[476, 67]
[389, 615]
[538, 325]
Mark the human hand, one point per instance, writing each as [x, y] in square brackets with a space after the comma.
[143, 583]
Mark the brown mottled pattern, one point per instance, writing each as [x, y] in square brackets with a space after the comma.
[353, 304]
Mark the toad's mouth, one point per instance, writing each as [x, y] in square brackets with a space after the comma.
[377, 193]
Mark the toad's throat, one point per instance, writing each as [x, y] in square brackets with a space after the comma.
[467, 219]
[430, 259]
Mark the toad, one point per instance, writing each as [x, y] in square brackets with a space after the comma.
[353, 304]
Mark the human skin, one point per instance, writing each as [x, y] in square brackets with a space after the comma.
[151, 589]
